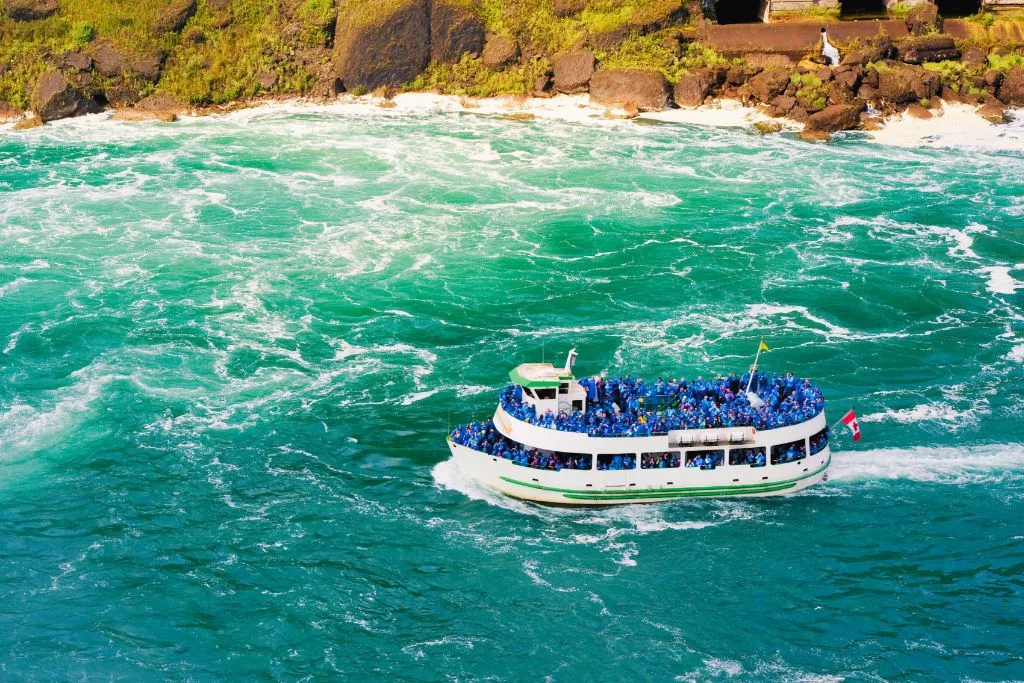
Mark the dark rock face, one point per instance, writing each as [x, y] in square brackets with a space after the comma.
[608, 40]
[647, 90]
[836, 117]
[371, 52]
[55, 98]
[149, 67]
[30, 10]
[567, 8]
[927, 49]
[108, 61]
[500, 52]
[693, 87]
[768, 84]
[975, 58]
[902, 83]
[1011, 91]
[454, 31]
[77, 60]
[176, 15]
[573, 71]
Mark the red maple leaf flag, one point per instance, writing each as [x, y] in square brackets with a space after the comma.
[850, 420]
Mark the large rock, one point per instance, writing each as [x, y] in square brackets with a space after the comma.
[77, 60]
[175, 16]
[454, 31]
[108, 60]
[693, 87]
[573, 71]
[975, 57]
[386, 42]
[30, 10]
[55, 98]
[1011, 90]
[902, 83]
[993, 112]
[647, 90]
[768, 84]
[874, 51]
[567, 8]
[149, 67]
[836, 117]
[922, 49]
[500, 52]
[923, 18]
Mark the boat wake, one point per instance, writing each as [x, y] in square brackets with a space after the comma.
[946, 464]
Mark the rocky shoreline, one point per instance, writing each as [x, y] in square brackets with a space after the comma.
[659, 59]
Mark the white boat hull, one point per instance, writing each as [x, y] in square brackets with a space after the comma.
[604, 487]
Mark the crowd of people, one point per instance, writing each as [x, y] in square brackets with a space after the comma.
[819, 441]
[650, 461]
[484, 437]
[630, 407]
[788, 452]
[616, 462]
[747, 456]
[706, 460]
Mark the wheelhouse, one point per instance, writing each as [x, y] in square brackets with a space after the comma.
[546, 388]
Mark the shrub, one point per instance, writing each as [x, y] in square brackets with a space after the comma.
[81, 33]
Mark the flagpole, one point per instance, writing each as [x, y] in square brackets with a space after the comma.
[753, 368]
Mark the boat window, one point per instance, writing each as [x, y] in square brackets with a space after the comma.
[705, 460]
[789, 452]
[617, 461]
[529, 392]
[545, 393]
[819, 441]
[659, 460]
[753, 457]
[575, 461]
[563, 388]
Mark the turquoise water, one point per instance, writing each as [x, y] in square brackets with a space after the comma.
[231, 349]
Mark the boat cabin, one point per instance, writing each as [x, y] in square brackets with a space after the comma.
[545, 387]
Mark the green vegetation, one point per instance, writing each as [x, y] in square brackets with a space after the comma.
[811, 93]
[899, 11]
[81, 33]
[1005, 62]
[471, 78]
[811, 14]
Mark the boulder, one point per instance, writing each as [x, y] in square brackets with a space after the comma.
[542, 86]
[647, 90]
[454, 31]
[769, 60]
[814, 135]
[849, 76]
[922, 49]
[767, 127]
[839, 93]
[573, 71]
[77, 60]
[500, 52]
[174, 17]
[149, 67]
[783, 104]
[108, 61]
[28, 123]
[902, 83]
[30, 10]
[836, 117]
[768, 84]
[974, 57]
[923, 19]
[381, 43]
[55, 98]
[1011, 90]
[606, 41]
[993, 112]
[875, 50]
[567, 8]
[916, 111]
[738, 75]
[693, 87]
[267, 79]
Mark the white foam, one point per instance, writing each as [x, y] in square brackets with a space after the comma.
[940, 464]
[1016, 353]
[932, 412]
[719, 114]
[1000, 281]
[956, 125]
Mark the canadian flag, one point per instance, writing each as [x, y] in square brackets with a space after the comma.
[850, 420]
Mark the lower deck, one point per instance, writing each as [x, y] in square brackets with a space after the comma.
[610, 487]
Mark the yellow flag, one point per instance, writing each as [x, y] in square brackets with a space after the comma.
[764, 347]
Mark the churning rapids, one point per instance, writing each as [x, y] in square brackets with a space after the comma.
[230, 349]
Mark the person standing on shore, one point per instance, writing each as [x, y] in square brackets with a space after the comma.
[828, 50]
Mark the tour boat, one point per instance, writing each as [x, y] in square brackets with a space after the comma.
[558, 440]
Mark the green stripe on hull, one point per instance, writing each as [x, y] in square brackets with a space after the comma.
[691, 492]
